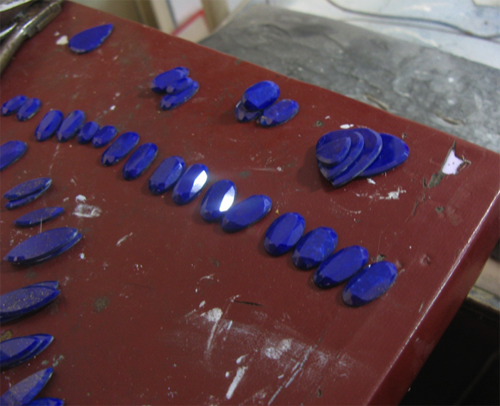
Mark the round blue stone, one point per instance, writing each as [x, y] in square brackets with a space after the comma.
[369, 283]
[87, 132]
[246, 213]
[28, 109]
[171, 101]
[90, 39]
[36, 217]
[24, 392]
[179, 85]
[333, 152]
[243, 115]
[103, 136]
[394, 152]
[166, 175]
[160, 83]
[279, 113]
[11, 106]
[10, 152]
[260, 95]
[120, 148]
[284, 233]
[218, 199]
[49, 124]
[139, 161]
[314, 247]
[70, 126]
[190, 184]
[27, 188]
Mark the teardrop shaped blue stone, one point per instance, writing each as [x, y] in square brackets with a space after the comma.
[87, 132]
[394, 152]
[90, 39]
[139, 161]
[166, 175]
[15, 349]
[11, 106]
[36, 217]
[15, 203]
[190, 184]
[314, 247]
[25, 300]
[243, 115]
[369, 283]
[27, 188]
[279, 113]
[10, 152]
[29, 109]
[284, 233]
[49, 124]
[171, 101]
[357, 144]
[333, 152]
[245, 213]
[218, 199]
[260, 95]
[103, 136]
[160, 83]
[120, 148]
[70, 126]
[179, 85]
[23, 392]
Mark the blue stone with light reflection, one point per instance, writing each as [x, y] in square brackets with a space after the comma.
[23, 392]
[260, 95]
[15, 203]
[11, 106]
[333, 152]
[279, 113]
[284, 233]
[28, 109]
[27, 188]
[160, 83]
[394, 152]
[25, 300]
[246, 213]
[120, 148]
[243, 115]
[49, 124]
[218, 199]
[139, 161]
[190, 184]
[90, 39]
[15, 351]
[10, 152]
[171, 101]
[314, 247]
[87, 132]
[70, 126]
[166, 175]
[179, 85]
[103, 136]
[36, 217]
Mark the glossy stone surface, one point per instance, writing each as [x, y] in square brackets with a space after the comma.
[16, 203]
[279, 113]
[23, 392]
[56, 253]
[11, 106]
[27, 188]
[87, 132]
[243, 115]
[166, 175]
[171, 101]
[103, 136]
[218, 199]
[15, 349]
[90, 39]
[120, 148]
[29, 109]
[46, 402]
[314, 247]
[48, 284]
[35, 217]
[179, 85]
[70, 126]
[369, 283]
[394, 152]
[260, 95]
[10, 152]
[25, 300]
[245, 213]
[190, 184]
[160, 83]
[49, 124]
[333, 152]
[139, 161]
[284, 233]
[340, 266]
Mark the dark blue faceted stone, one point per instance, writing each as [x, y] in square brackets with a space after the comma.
[49, 124]
[171, 101]
[15, 203]
[340, 266]
[369, 283]
[46, 402]
[218, 199]
[179, 85]
[279, 113]
[246, 213]
[190, 184]
[160, 83]
[25, 300]
[70, 126]
[120, 148]
[56, 253]
[28, 109]
[15, 349]
[36, 217]
[284, 233]
[260, 95]
[394, 152]
[25, 391]
[13, 105]
[27, 188]
[90, 39]
[333, 152]
[243, 115]
[314, 247]
[357, 144]
[166, 175]
[139, 161]
[10, 152]
[48, 284]
[87, 132]
[103, 136]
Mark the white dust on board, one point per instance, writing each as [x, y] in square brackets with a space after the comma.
[124, 238]
[85, 210]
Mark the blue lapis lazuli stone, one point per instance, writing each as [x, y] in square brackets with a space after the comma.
[340, 266]
[333, 152]
[166, 175]
[16, 203]
[284, 233]
[49, 124]
[190, 184]
[179, 85]
[70, 126]
[15, 349]
[394, 152]
[28, 109]
[11, 106]
[36, 217]
[87, 132]
[120, 148]
[103, 136]
[218, 199]
[27, 188]
[245, 213]
[22, 301]
[357, 144]
[10, 152]
[48, 284]
[139, 161]
[55, 253]
[369, 283]
[46, 402]
[279, 113]
[260, 95]
[90, 39]
[243, 115]
[171, 101]
[314, 247]
[26, 390]
[160, 83]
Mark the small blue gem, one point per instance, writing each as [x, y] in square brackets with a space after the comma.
[218, 199]
[27, 188]
[24, 392]
[179, 85]
[246, 213]
[166, 175]
[314, 247]
[39, 216]
[260, 95]
[340, 266]
[171, 101]
[22, 301]
[243, 115]
[160, 83]
[139, 161]
[103, 136]
[369, 283]
[394, 152]
[14, 204]
[49, 124]
[70, 126]
[357, 144]
[48, 284]
[12, 106]
[54, 254]
[284, 233]
[120, 148]
[190, 184]
[28, 109]
[10, 152]
[87, 132]
[90, 39]
[279, 113]
[333, 152]
[15, 349]
[46, 402]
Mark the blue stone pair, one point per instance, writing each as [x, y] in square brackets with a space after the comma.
[17, 350]
[10, 152]
[23, 107]
[179, 88]
[26, 192]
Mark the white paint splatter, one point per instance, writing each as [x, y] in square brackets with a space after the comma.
[87, 211]
[452, 164]
[73, 182]
[57, 33]
[370, 181]
[213, 315]
[80, 198]
[240, 359]
[121, 240]
[228, 374]
[327, 118]
[82, 256]
[393, 195]
[211, 276]
[236, 381]
[202, 304]
[346, 126]
[275, 352]
[63, 40]
[112, 107]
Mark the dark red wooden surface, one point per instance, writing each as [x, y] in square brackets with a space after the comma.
[158, 307]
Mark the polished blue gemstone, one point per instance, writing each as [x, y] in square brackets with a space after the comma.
[160, 83]
[120, 148]
[36, 217]
[314, 247]
[260, 95]
[245, 213]
[279, 113]
[90, 39]
[139, 161]
[284, 233]
[54, 254]
[10, 152]
[28, 109]
[22, 301]
[369, 283]
[334, 152]
[46, 402]
[171, 101]
[357, 144]
[15, 203]
[243, 115]
[179, 85]
[48, 284]
[15, 349]
[394, 152]
[27, 188]
[190, 184]
[12, 106]
[166, 175]
[49, 124]
[24, 392]
[340, 266]
[103, 136]
[218, 199]
[70, 126]
[87, 132]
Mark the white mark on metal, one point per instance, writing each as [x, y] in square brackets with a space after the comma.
[240, 359]
[63, 40]
[277, 351]
[87, 211]
[80, 198]
[213, 315]
[112, 107]
[452, 164]
[346, 126]
[236, 381]
[121, 240]
[211, 276]
[202, 304]
[82, 256]
[394, 195]
[371, 181]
